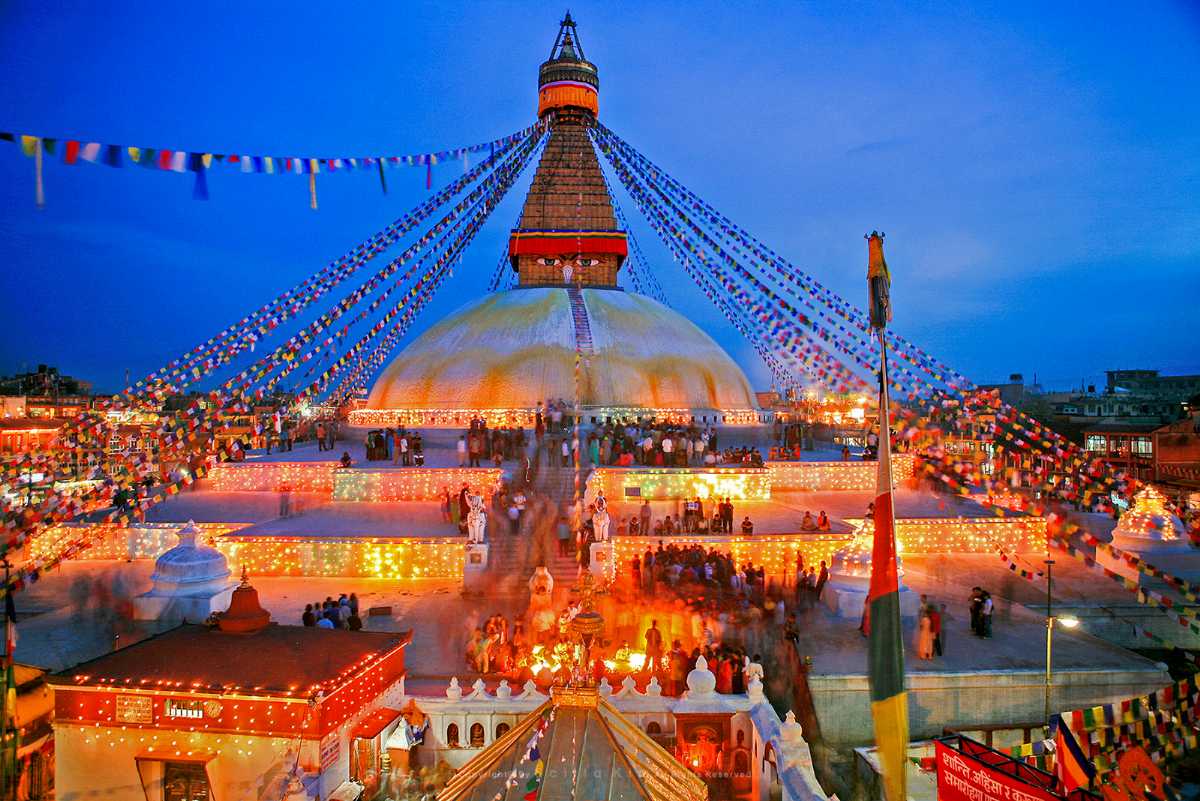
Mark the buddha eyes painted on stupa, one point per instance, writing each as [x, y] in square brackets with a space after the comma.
[587, 262]
[547, 261]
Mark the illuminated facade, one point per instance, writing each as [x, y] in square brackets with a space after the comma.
[185, 716]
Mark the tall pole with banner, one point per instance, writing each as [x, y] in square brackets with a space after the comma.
[885, 644]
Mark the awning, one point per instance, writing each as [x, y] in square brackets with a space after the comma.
[375, 722]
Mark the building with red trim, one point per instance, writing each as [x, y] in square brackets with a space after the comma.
[244, 708]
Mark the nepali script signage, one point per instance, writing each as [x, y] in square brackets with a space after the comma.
[970, 771]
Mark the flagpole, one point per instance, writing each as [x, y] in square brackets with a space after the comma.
[885, 640]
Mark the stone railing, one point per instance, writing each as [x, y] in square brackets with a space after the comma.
[272, 476]
[835, 476]
[110, 541]
[676, 483]
[948, 535]
[390, 558]
[411, 484]
[366, 557]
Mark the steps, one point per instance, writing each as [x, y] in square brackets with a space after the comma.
[579, 316]
[511, 559]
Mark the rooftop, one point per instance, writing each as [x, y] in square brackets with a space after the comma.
[289, 660]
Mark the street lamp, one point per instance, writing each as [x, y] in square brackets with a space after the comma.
[1065, 621]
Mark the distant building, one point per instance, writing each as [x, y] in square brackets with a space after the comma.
[1015, 392]
[1124, 446]
[45, 381]
[1127, 408]
[24, 434]
[1149, 384]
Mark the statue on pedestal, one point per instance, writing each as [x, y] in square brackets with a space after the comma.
[600, 519]
[542, 618]
[476, 519]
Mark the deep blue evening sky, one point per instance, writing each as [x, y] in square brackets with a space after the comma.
[1036, 166]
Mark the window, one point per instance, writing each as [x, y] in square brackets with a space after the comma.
[653, 728]
[1142, 446]
[477, 735]
[1096, 442]
[501, 730]
[452, 735]
[185, 781]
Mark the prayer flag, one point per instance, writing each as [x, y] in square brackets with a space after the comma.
[1073, 769]
[879, 282]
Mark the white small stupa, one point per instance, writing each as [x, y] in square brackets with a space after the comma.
[1149, 531]
[850, 576]
[1149, 527]
[191, 581]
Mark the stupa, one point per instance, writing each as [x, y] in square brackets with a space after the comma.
[850, 577]
[1149, 531]
[501, 355]
[191, 581]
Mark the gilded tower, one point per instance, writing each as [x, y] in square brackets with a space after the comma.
[568, 233]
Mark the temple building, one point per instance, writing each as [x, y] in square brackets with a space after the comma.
[244, 708]
[501, 355]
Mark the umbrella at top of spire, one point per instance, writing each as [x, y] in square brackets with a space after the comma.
[567, 80]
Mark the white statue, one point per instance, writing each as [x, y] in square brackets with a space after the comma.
[600, 524]
[541, 604]
[476, 519]
[600, 518]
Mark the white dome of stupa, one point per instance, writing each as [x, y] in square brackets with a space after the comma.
[700, 681]
[190, 567]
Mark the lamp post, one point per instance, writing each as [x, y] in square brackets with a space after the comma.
[1065, 622]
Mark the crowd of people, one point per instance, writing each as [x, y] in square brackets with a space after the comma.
[647, 444]
[401, 446]
[693, 520]
[480, 443]
[342, 613]
[276, 431]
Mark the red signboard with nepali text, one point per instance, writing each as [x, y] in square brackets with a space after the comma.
[962, 776]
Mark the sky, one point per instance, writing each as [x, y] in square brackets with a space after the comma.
[1035, 166]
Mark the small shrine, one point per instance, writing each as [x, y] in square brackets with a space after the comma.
[1148, 531]
[191, 582]
[850, 577]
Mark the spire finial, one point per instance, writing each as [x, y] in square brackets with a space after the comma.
[566, 44]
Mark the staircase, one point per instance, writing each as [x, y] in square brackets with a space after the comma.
[510, 558]
[559, 485]
[579, 316]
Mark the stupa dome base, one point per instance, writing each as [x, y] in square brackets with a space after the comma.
[502, 355]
